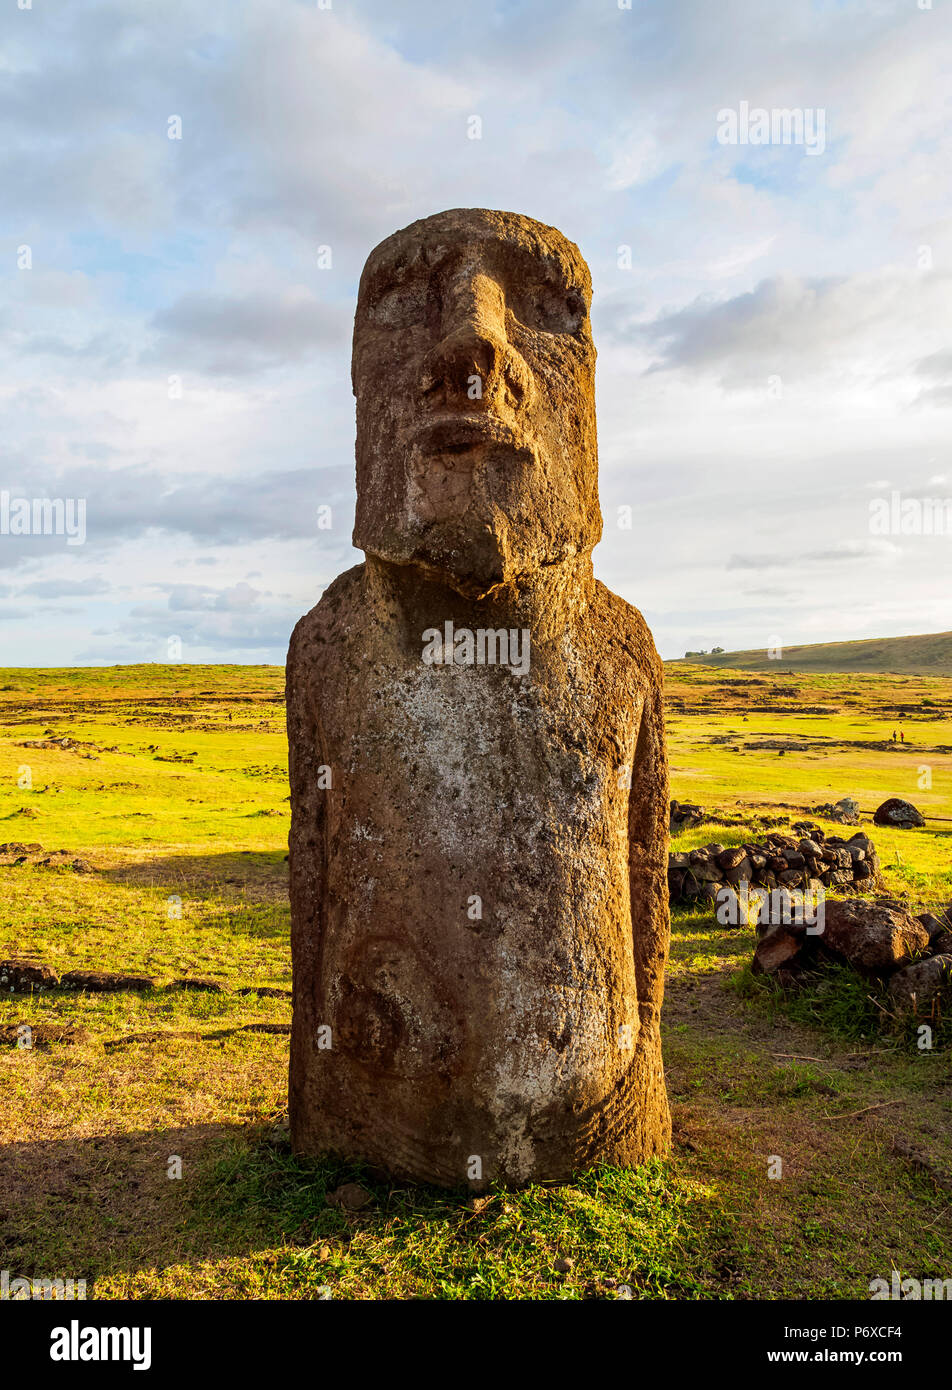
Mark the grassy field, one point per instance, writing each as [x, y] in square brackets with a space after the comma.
[167, 789]
[929, 655]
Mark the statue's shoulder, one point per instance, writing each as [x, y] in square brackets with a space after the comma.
[620, 624]
[330, 619]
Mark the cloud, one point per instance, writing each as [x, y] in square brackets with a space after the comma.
[863, 327]
[65, 588]
[190, 598]
[197, 598]
[236, 334]
[122, 504]
[304, 127]
[845, 551]
[217, 629]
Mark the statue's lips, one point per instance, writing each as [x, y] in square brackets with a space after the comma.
[457, 432]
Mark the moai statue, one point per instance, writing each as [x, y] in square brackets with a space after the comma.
[478, 775]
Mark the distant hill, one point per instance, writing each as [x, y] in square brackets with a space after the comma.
[909, 656]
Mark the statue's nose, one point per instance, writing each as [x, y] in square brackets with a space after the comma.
[474, 361]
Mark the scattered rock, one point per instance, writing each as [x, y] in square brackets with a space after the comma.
[917, 988]
[873, 937]
[935, 926]
[779, 946]
[32, 1035]
[105, 981]
[26, 977]
[809, 829]
[281, 1132]
[154, 1035]
[564, 1265]
[48, 859]
[683, 815]
[921, 1163]
[844, 812]
[350, 1197]
[899, 813]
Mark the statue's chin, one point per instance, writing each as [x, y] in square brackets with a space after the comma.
[473, 567]
[471, 586]
[471, 558]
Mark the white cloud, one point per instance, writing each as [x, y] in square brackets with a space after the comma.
[302, 127]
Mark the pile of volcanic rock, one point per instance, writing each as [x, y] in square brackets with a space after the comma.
[880, 938]
[805, 860]
[684, 815]
[21, 976]
[844, 812]
[14, 855]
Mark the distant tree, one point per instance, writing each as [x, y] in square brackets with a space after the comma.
[716, 651]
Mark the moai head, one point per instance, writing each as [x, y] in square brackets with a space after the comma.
[474, 372]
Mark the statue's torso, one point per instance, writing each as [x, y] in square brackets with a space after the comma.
[476, 892]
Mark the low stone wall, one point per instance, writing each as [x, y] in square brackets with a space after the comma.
[793, 861]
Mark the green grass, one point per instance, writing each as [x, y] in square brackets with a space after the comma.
[842, 1003]
[182, 808]
[927, 655]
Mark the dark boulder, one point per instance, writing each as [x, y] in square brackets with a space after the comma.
[899, 813]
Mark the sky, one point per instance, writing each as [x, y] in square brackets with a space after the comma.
[773, 320]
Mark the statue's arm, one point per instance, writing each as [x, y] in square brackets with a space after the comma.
[307, 855]
[648, 850]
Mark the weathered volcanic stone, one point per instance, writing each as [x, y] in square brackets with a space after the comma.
[26, 976]
[684, 814]
[846, 811]
[919, 988]
[899, 813]
[873, 937]
[106, 981]
[201, 983]
[779, 945]
[478, 850]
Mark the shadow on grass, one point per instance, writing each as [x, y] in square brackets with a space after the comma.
[697, 933]
[105, 1208]
[262, 875]
[244, 892]
[87, 1207]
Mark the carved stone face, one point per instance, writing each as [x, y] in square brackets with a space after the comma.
[474, 372]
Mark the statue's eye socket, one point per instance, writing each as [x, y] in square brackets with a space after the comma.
[549, 308]
[400, 305]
